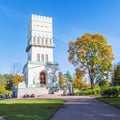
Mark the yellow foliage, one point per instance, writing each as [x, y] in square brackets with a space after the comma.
[17, 79]
[80, 84]
[61, 79]
[2, 83]
[92, 53]
[2, 87]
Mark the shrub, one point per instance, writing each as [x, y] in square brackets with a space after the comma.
[96, 90]
[111, 92]
[77, 93]
[87, 91]
[4, 92]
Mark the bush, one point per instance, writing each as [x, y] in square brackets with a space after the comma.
[96, 90]
[111, 92]
[4, 92]
[87, 91]
[77, 93]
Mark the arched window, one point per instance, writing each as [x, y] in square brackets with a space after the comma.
[46, 41]
[34, 40]
[38, 57]
[42, 58]
[42, 40]
[38, 41]
[46, 58]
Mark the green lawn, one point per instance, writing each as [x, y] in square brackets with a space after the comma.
[29, 109]
[112, 101]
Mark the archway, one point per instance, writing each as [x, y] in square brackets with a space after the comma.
[43, 78]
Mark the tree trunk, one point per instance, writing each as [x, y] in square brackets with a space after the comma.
[92, 83]
[91, 80]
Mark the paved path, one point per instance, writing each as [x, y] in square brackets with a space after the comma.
[86, 108]
[83, 108]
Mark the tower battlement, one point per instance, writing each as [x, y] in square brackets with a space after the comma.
[41, 18]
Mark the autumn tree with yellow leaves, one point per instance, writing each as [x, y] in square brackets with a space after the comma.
[16, 79]
[91, 53]
[2, 82]
[16, 70]
[7, 81]
[79, 82]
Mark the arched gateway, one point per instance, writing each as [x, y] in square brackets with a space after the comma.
[43, 78]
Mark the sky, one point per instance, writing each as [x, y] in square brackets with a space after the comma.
[71, 19]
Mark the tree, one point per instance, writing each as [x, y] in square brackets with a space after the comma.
[61, 79]
[17, 71]
[2, 82]
[79, 81]
[68, 77]
[17, 68]
[104, 84]
[17, 79]
[91, 53]
[9, 82]
[116, 75]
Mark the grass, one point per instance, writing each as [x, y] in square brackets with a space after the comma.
[112, 101]
[29, 109]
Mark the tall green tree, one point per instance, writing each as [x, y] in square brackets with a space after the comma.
[91, 53]
[68, 76]
[116, 75]
[61, 79]
[9, 82]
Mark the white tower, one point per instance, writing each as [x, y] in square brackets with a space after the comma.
[38, 69]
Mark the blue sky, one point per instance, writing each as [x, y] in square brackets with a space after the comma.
[71, 19]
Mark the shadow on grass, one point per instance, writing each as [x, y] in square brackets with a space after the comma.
[29, 110]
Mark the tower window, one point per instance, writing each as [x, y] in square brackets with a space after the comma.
[46, 58]
[38, 41]
[34, 41]
[46, 41]
[38, 57]
[42, 58]
[42, 40]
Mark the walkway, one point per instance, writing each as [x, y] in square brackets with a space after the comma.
[86, 108]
